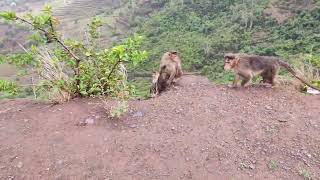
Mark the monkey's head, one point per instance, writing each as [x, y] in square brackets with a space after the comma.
[173, 54]
[230, 61]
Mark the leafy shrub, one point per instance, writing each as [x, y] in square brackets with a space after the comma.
[71, 68]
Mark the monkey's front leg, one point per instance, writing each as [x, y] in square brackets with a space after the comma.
[236, 81]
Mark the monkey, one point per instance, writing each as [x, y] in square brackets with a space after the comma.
[170, 65]
[170, 71]
[247, 66]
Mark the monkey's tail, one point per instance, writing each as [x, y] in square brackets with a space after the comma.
[293, 72]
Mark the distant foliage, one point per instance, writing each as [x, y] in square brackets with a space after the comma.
[202, 31]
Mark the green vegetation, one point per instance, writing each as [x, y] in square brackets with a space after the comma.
[202, 31]
[70, 68]
[8, 89]
[305, 174]
[273, 165]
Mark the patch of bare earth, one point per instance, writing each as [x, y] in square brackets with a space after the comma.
[197, 131]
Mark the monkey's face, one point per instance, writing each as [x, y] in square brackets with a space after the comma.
[229, 64]
[173, 55]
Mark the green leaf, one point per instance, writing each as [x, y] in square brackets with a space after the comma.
[88, 54]
[47, 9]
[9, 16]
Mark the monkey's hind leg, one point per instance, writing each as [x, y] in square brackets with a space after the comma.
[273, 79]
[170, 80]
[247, 80]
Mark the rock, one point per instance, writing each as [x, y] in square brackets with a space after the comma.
[251, 166]
[11, 177]
[81, 123]
[133, 126]
[138, 114]
[60, 162]
[268, 107]
[282, 120]
[89, 121]
[20, 164]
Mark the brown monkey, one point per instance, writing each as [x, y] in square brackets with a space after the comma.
[247, 66]
[170, 65]
[170, 71]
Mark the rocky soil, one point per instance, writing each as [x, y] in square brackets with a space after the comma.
[195, 131]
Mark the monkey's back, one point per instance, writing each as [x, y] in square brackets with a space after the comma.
[259, 63]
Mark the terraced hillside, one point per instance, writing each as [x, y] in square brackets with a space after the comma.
[82, 9]
[10, 35]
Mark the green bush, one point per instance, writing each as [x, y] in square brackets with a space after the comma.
[71, 68]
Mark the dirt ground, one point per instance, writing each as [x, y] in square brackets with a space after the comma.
[198, 131]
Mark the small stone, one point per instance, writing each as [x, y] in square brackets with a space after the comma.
[173, 128]
[11, 177]
[309, 155]
[133, 126]
[268, 107]
[81, 123]
[20, 165]
[283, 120]
[89, 121]
[138, 114]
[60, 162]
[251, 166]
[26, 120]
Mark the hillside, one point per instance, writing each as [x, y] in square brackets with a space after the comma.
[203, 31]
[196, 131]
[11, 35]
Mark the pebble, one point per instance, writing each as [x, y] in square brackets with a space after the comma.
[251, 166]
[268, 107]
[20, 165]
[138, 114]
[133, 126]
[89, 121]
[60, 162]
